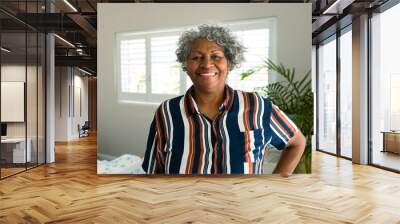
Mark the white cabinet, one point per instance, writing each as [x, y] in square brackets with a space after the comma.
[18, 149]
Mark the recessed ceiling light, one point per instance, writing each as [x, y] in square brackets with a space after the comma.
[64, 40]
[86, 72]
[70, 5]
[5, 49]
[337, 7]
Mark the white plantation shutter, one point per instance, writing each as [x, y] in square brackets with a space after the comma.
[149, 71]
[257, 43]
[133, 66]
[165, 71]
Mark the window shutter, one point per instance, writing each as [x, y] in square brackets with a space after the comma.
[256, 42]
[165, 70]
[133, 66]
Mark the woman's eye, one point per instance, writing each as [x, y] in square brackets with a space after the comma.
[215, 57]
[196, 58]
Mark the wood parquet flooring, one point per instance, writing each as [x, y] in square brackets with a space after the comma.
[10, 171]
[70, 191]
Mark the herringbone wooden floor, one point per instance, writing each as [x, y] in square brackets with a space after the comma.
[70, 191]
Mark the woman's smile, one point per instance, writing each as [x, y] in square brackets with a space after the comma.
[209, 74]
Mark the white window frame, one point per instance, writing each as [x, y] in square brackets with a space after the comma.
[269, 23]
[154, 98]
[147, 96]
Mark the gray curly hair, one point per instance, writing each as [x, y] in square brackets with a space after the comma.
[232, 48]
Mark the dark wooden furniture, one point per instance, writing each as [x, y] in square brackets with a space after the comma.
[391, 141]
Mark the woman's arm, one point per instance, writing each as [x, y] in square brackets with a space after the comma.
[291, 156]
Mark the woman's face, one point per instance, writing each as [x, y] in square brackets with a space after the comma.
[207, 66]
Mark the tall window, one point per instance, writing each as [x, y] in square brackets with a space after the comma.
[385, 88]
[147, 69]
[327, 96]
[346, 93]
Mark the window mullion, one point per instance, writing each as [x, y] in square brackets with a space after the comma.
[148, 67]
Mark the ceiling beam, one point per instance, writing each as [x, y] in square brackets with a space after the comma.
[84, 61]
[49, 22]
[320, 22]
[84, 24]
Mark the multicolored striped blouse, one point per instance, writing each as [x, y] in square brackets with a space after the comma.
[182, 140]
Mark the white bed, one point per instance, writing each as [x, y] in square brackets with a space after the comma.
[125, 164]
[132, 164]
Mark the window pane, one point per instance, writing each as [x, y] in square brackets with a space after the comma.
[133, 66]
[385, 88]
[394, 101]
[327, 97]
[165, 71]
[345, 94]
[257, 46]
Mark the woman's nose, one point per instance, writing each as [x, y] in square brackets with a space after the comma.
[206, 62]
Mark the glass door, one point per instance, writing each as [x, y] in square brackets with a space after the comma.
[22, 77]
[13, 103]
[327, 95]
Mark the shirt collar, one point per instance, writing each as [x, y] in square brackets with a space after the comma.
[191, 105]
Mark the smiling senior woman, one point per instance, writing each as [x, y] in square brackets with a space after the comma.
[213, 129]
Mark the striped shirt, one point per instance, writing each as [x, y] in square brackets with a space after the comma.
[182, 140]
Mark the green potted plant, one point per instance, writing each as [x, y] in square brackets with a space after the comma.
[295, 98]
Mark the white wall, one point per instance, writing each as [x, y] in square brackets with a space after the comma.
[123, 128]
[61, 103]
[66, 121]
[16, 72]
